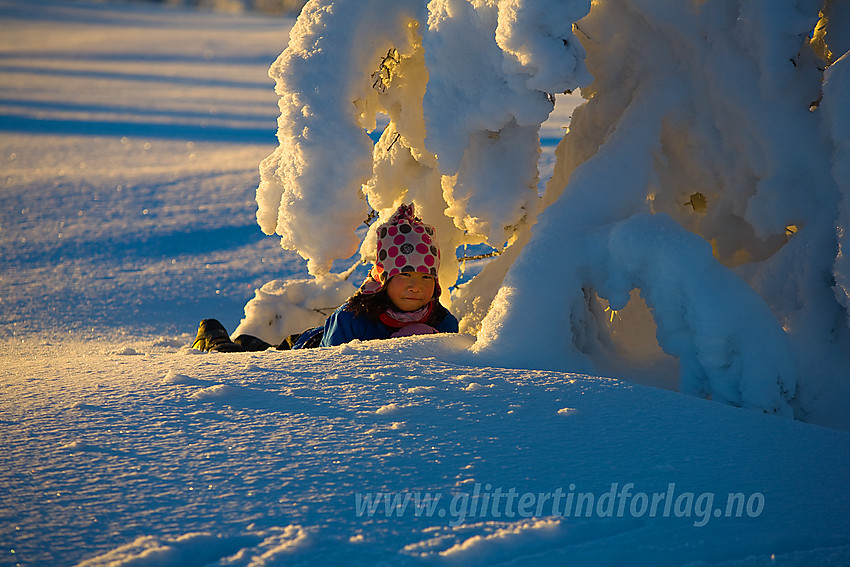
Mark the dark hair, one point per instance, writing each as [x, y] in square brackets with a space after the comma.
[373, 304]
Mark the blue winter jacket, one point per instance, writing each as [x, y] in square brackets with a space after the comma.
[343, 326]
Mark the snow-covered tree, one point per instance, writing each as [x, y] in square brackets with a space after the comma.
[695, 197]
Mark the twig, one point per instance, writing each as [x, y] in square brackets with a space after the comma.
[397, 136]
[492, 254]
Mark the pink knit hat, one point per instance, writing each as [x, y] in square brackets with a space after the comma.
[405, 244]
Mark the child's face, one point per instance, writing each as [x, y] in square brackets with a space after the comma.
[410, 290]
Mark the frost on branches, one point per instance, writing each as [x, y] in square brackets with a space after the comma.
[691, 220]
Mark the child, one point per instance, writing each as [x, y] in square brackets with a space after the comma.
[400, 297]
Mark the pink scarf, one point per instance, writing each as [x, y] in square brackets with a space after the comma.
[398, 319]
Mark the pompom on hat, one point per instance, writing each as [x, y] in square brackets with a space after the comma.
[405, 244]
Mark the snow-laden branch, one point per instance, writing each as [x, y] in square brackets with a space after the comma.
[310, 189]
[463, 86]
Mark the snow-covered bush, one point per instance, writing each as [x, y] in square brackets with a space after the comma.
[703, 113]
[283, 307]
[699, 186]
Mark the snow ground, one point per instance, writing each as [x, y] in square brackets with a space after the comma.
[129, 188]
[130, 137]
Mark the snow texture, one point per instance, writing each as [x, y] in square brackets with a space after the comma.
[176, 458]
